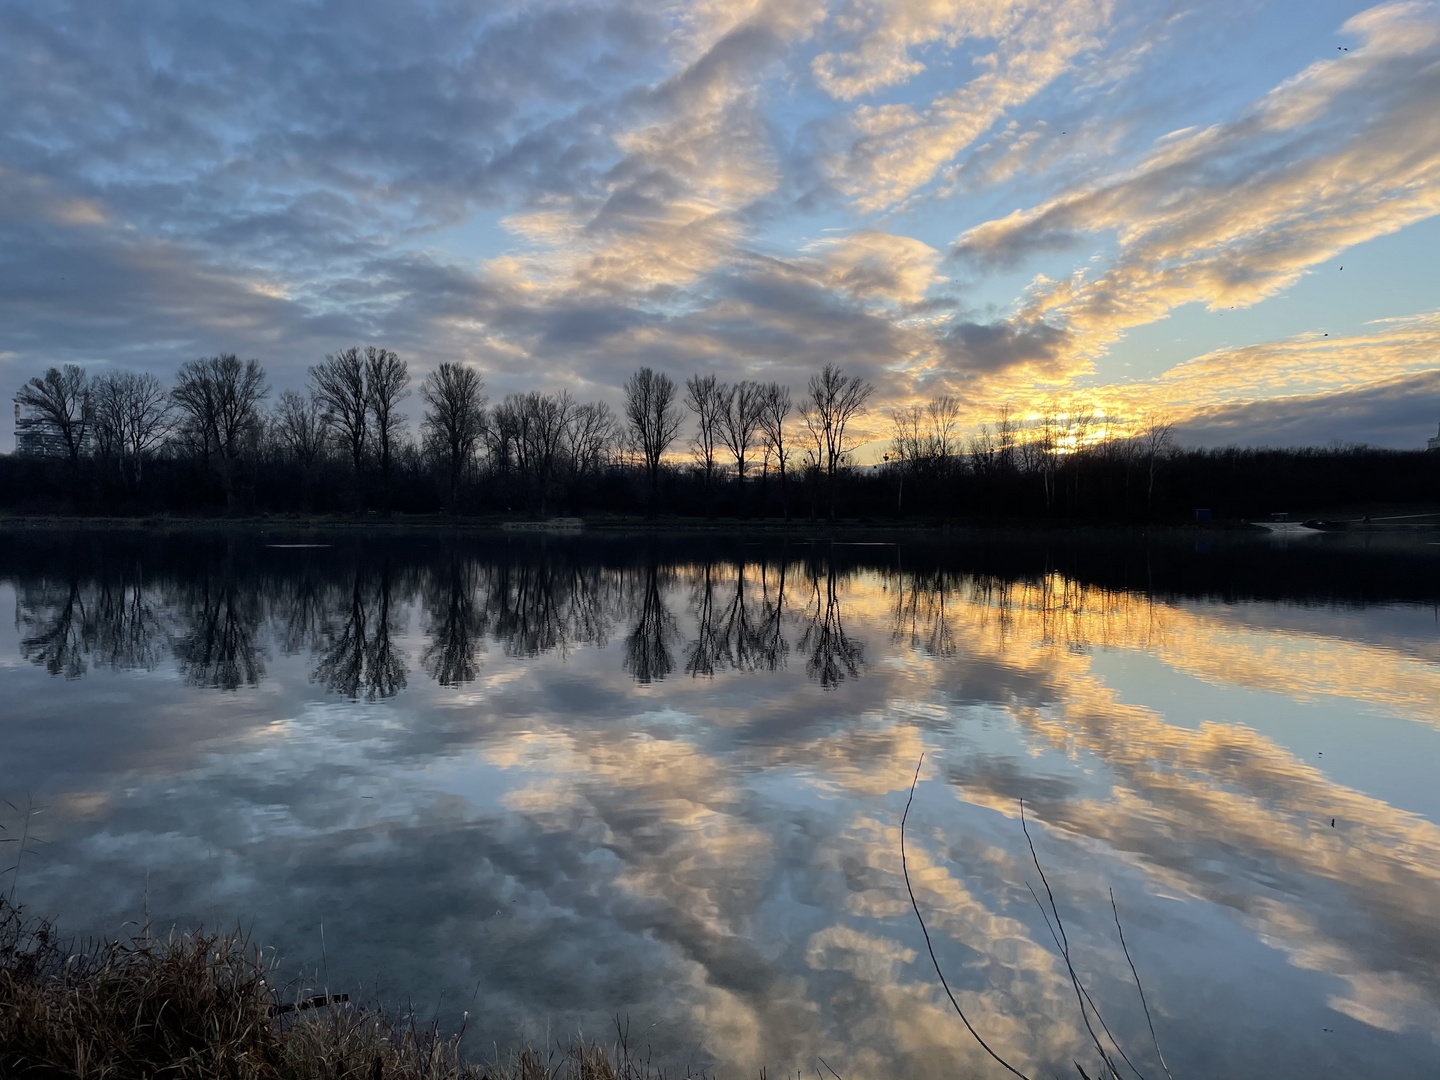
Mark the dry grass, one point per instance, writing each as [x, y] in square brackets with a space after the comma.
[207, 1006]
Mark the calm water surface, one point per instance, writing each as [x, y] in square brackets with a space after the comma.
[552, 780]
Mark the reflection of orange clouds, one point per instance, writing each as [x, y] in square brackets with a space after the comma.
[1255, 802]
[1059, 614]
[1224, 788]
[1021, 978]
[690, 851]
[873, 760]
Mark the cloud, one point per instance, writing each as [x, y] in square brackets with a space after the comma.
[870, 264]
[1306, 362]
[897, 148]
[1233, 213]
[1378, 387]
[990, 348]
[1400, 413]
[207, 119]
[557, 192]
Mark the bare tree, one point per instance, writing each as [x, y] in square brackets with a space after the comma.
[454, 419]
[218, 399]
[106, 426]
[982, 451]
[386, 385]
[654, 419]
[534, 428]
[767, 451]
[339, 385]
[833, 402]
[1157, 444]
[502, 436]
[943, 438]
[58, 419]
[1042, 450]
[132, 417]
[740, 421]
[908, 447]
[924, 442]
[298, 424]
[708, 399]
[589, 441]
[546, 421]
[774, 411]
[1006, 436]
[1080, 443]
[148, 418]
[297, 427]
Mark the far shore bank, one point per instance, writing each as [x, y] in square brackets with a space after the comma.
[1376, 519]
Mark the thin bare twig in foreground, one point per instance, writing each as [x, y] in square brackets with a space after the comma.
[905, 867]
[1149, 1021]
[1093, 1007]
[1064, 944]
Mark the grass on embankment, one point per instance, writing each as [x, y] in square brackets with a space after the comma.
[207, 1006]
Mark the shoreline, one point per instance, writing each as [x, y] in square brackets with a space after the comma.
[1332, 524]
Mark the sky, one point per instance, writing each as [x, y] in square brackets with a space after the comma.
[1223, 213]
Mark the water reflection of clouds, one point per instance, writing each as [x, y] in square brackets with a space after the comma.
[633, 787]
[1213, 644]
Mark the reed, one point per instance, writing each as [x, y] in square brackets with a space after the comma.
[208, 1005]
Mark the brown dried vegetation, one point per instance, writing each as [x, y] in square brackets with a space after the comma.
[199, 1005]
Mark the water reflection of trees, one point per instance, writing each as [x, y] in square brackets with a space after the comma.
[831, 655]
[298, 610]
[932, 607]
[67, 624]
[216, 616]
[359, 657]
[215, 619]
[546, 605]
[454, 625]
[739, 622]
[216, 641]
[921, 618]
[648, 655]
[710, 646]
[55, 618]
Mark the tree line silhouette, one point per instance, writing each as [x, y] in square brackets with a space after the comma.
[215, 442]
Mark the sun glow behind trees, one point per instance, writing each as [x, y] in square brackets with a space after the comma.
[124, 443]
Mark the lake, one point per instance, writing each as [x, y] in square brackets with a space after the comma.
[555, 780]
